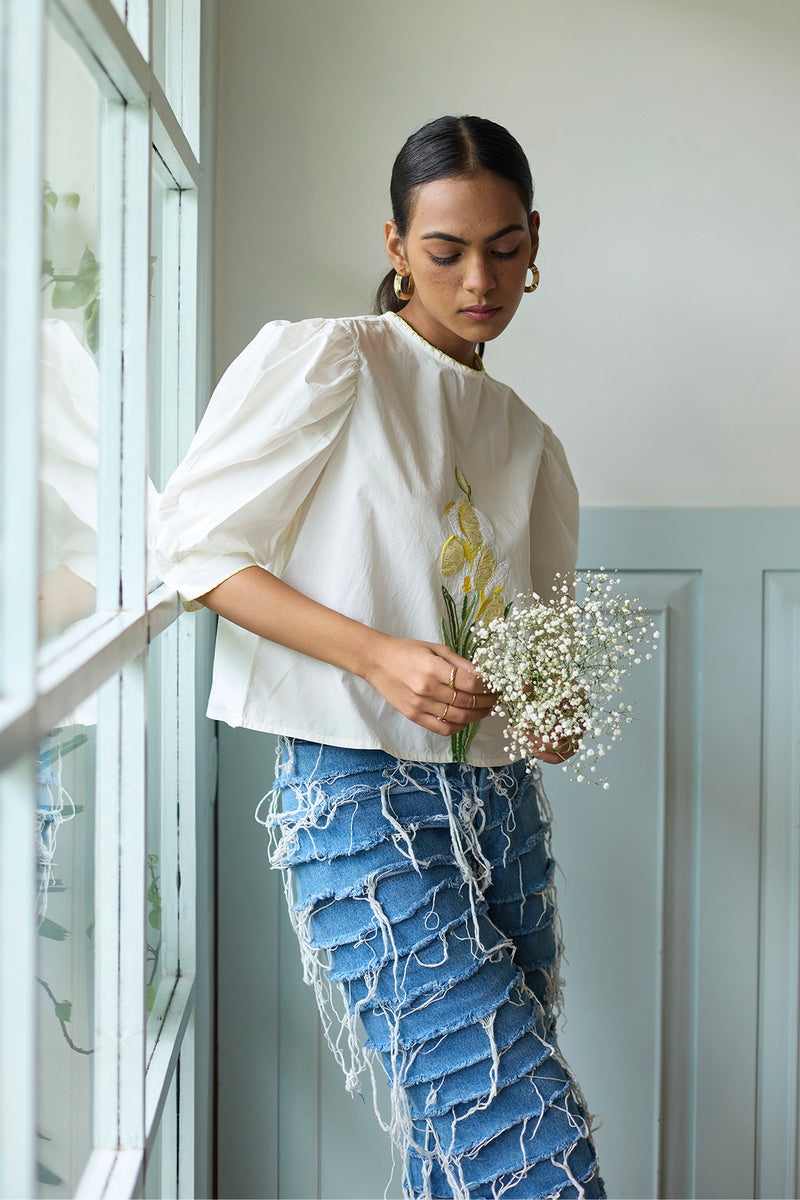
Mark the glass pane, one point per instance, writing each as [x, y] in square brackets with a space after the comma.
[71, 305]
[65, 920]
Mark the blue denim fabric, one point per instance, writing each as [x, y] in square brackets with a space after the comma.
[422, 895]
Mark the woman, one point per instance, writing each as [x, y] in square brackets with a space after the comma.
[359, 492]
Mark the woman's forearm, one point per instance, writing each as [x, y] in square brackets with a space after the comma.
[264, 604]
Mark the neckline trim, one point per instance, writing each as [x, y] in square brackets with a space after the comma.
[412, 334]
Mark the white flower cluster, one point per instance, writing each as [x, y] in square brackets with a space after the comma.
[556, 667]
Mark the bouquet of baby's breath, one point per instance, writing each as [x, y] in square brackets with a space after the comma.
[556, 667]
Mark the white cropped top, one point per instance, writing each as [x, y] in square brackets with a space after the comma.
[368, 470]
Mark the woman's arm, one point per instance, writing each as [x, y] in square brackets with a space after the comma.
[415, 677]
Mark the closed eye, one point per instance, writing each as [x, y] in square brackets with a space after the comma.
[451, 258]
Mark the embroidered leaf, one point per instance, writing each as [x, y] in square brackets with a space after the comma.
[485, 569]
[452, 618]
[463, 483]
[452, 557]
[467, 617]
[470, 526]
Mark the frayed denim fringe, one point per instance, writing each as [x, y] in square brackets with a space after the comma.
[423, 900]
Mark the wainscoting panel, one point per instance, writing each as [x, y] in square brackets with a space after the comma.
[680, 901]
[627, 899]
[777, 1095]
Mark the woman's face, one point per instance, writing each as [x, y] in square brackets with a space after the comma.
[468, 247]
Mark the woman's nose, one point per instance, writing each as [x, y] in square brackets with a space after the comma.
[479, 277]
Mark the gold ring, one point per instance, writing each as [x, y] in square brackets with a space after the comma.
[443, 717]
[453, 677]
[455, 694]
[474, 700]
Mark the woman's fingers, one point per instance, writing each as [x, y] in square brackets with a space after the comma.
[430, 684]
[458, 717]
[462, 676]
[462, 699]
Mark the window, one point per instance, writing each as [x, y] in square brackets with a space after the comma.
[99, 186]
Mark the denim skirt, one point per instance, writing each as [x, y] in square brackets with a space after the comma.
[423, 900]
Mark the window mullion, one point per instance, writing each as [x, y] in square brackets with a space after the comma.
[119, 930]
[134, 382]
[187, 631]
[189, 81]
[132, 501]
[20, 266]
[121, 836]
[112, 133]
[96, 26]
[171, 141]
[21, 121]
[187, 1123]
[110, 1022]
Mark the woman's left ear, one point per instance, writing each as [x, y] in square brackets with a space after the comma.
[534, 234]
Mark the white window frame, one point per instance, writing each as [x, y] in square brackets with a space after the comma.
[135, 1059]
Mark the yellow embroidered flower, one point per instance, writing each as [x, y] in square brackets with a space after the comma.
[472, 587]
[468, 561]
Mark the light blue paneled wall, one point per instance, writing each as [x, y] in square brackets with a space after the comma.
[679, 901]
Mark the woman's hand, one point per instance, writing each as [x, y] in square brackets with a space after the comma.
[555, 749]
[430, 684]
[549, 752]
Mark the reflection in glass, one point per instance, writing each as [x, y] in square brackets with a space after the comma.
[71, 306]
[65, 921]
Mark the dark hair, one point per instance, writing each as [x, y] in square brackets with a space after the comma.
[447, 147]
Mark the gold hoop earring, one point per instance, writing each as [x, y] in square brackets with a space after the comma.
[534, 270]
[398, 286]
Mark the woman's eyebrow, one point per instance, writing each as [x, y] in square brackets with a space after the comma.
[448, 237]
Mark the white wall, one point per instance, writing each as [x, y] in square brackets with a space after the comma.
[662, 342]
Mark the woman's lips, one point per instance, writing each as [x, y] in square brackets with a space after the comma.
[482, 312]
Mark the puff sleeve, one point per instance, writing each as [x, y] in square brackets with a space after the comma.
[239, 496]
[554, 517]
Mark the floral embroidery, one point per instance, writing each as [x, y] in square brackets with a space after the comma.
[473, 585]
